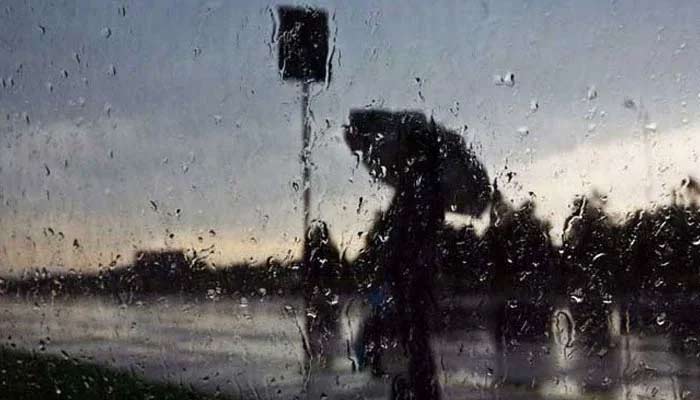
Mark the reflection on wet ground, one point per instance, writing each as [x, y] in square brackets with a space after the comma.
[254, 347]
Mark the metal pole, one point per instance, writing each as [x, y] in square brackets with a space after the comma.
[306, 190]
[305, 155]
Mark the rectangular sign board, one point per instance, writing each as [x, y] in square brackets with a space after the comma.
[303, 43]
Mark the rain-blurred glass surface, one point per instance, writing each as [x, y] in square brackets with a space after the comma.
[354, 199]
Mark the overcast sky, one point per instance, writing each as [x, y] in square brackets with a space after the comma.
[115, 114]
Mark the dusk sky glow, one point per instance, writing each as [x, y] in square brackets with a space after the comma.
[112, 120]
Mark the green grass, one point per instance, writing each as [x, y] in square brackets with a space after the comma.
[25, 375]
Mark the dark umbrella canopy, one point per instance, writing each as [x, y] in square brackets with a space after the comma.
[379, 134]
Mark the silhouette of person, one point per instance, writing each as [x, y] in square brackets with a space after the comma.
[431, 171]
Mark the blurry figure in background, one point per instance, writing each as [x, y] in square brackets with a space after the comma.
[432, 171]
[323, 273]
[523, 261]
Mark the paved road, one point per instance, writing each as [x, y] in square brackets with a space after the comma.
[254, 347]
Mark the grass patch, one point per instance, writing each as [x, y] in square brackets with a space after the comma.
[25, 375]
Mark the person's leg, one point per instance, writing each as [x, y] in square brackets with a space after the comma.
[373, 339]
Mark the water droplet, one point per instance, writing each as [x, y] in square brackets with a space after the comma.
[534, 105]
[334, 300]
[106, 32]
[576, 299]
[661, 319]
[509, 79]
[592, 93]
[523, 131]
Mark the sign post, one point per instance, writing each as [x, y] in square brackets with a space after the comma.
[303, 53]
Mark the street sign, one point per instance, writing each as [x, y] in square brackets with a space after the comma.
[303, 43]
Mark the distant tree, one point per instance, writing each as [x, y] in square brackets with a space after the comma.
[463, 271]
[663, 248]
[591, 263]
[523, 261]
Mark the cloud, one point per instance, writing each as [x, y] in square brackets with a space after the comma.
[636, 171]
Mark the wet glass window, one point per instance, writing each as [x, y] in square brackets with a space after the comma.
[349, 199]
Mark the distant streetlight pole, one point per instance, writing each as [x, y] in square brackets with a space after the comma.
[303, 52]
